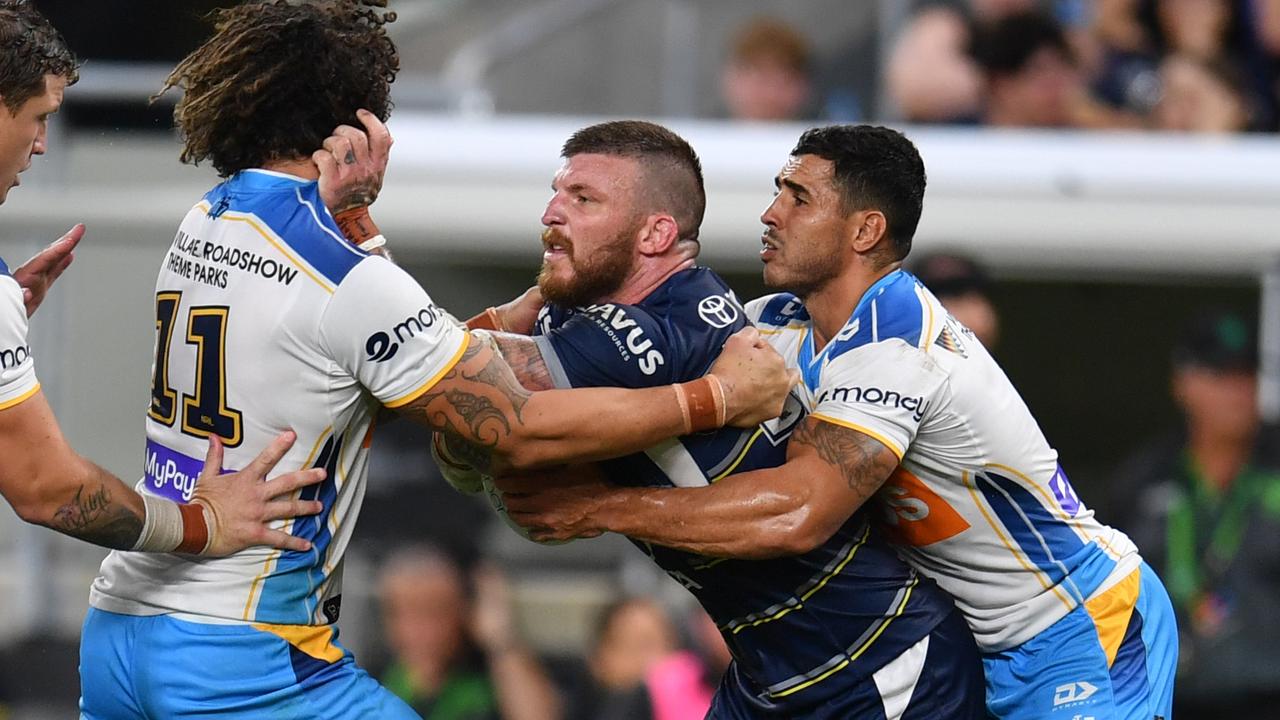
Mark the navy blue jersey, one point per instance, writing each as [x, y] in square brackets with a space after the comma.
[801, 629]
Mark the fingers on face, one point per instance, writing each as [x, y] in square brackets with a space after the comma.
[341, 148]
[380, 139]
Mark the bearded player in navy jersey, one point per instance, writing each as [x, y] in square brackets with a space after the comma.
[845, 630]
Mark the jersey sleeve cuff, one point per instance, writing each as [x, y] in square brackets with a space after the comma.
[880, 437]
[430, 383]
[14, 402]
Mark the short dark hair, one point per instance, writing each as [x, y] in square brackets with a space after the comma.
[673, 172]
[1005, 46]
[875, 167]
[276, 78]
[30, 49]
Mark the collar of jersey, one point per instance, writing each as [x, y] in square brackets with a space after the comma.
[810, 364]
[259, 179]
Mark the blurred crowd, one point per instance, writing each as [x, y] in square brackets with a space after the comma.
[1208, 66]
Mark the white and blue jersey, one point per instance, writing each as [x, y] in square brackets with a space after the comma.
[268, 320]
[17, 368]
[980, 504]
[805, 632]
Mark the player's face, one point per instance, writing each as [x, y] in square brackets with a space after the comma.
[23, 135]
[804, 242]
[589, 245]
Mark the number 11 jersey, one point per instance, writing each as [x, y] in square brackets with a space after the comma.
[268, 320]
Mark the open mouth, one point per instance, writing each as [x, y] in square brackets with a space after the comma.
[554, 246]
[768, 247]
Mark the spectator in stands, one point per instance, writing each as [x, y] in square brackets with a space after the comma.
[682, 684]
[930, 76]
[768, 75]
[457, 657]
[1204, 507]
[963, 288]
[1032, 78]
[1200, 95]
[632, 636]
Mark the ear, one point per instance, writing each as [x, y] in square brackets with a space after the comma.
[869, 228]
[658, 234]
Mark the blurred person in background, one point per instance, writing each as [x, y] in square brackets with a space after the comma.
[457, 655]
[1032, 77]
[683, 684]
[1204, 506]
[632, 636]
[768, 74]
[930, 76]
[963, 288]
[1200, 96]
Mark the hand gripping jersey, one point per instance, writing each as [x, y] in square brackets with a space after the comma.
[979, 502]
[801, 629]
[17, 368]
[268, 320]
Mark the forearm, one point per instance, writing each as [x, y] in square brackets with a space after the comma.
[750, 516]
[79, 499]
[524, 692]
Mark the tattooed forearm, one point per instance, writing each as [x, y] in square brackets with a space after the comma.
[526, 361]
[91, 515]
[478, 402]
[863, 461]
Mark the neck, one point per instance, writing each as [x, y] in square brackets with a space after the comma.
[304, 169]
[1220, 459]
[831, 305]
[648, 275]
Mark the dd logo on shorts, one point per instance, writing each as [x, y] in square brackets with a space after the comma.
[717, 311]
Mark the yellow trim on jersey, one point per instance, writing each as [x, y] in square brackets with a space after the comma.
[1056, 508]
[784, 328]
[893, 446]
[1112, 610]
[809, 593]
[738, 461]
[1008, 543]
[249, 220]
[21, 398]
[288, 528]
[926, 340]
[314, 640]
[423, 388]
[856, 653]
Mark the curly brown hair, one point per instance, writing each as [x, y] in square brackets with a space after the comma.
[276, 78]
[30, 49]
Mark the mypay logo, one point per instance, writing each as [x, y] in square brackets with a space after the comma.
[380, 346]
[1073, 693]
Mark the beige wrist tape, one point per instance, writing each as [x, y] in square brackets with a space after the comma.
[170, 527]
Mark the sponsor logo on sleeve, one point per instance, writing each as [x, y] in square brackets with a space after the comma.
[872, 395]
[383, 345]
[11, 358]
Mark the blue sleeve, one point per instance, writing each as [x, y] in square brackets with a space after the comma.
[608, 346]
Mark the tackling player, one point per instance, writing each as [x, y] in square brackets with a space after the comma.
[44, 480]
[844, 629]
[266, 318]
[907, 406]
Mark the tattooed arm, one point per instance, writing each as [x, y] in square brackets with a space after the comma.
[525, 359]
[48, 484]
[481, 401]
[830, 472]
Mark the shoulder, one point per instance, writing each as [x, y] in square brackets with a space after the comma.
[777, 310]
[287, 212]
[4, 269]
[899, 309]
[696, 304]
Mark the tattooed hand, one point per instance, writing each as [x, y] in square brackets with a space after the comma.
[352, 163]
